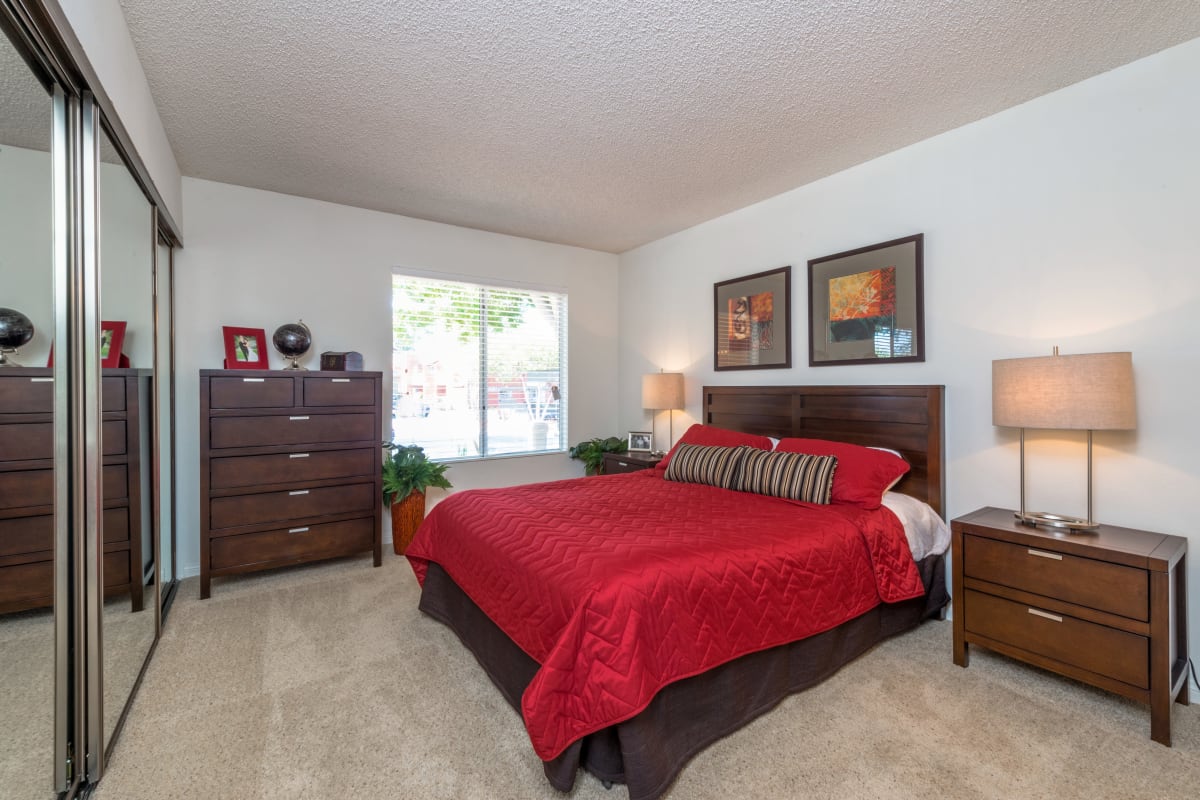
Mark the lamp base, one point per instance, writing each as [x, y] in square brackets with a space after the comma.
[1068, 524]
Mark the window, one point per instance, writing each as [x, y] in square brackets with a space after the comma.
[478, 371]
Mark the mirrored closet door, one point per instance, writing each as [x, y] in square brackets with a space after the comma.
[34, 621]
[126, 356]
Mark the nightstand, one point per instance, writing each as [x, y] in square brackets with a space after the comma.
[615, 463]
[1107, 607]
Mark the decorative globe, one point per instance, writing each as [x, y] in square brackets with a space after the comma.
[292, 340]
[16, 329]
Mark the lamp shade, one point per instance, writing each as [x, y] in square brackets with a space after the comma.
[662, 390]
[1093, 391]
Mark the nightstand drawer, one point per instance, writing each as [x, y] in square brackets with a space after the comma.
[1082, 581]
[1096, 648]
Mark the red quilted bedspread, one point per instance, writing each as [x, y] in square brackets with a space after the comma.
[622, 584]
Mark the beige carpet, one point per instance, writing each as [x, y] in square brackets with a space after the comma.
[325, 682]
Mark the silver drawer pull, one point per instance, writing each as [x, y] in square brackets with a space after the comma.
[41, 380]
[297, 418]
[302, 491]
[1044, 554]
[1045, 615]
[622, 464]
[297, 455]
[297, 530]
[340, 380]
[253, 380]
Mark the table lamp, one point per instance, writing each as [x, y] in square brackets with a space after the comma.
[663, 391]
[1091, 392]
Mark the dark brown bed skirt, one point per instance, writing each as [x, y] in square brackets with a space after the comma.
[648, 751]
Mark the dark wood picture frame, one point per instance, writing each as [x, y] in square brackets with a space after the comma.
[112, 339]
[742, 337]
[245, 348]
[880, 291]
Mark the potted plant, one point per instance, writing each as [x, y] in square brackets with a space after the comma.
[407, 473]
[591, 452]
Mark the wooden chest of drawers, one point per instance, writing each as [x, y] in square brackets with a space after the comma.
[27, 485]
[289, 468]
[1107, 607]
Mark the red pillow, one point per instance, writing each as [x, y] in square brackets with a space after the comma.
[863, 473]
[708, 436]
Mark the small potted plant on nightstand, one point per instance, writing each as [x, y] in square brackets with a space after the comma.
[591, 452]
[407, 473]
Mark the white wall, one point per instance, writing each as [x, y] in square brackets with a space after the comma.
[99, 25]
[259, 259]
[26, 257]
[1070, 220]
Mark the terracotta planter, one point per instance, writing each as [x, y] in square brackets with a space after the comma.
[407, 515]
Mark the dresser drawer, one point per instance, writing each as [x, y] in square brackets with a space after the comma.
[1083, 581]
[27, 488]
[27, 585]
[230, 392]
[31, 441]
[116, 568]
[291, 430]
[23, 394]
[1096, 648]
[21, 535]
[299, 543]
[339, 391]
[112, 394]
[116, 524]
[237, 471]
[252, 509]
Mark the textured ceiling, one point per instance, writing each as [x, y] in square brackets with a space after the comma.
[601, 123]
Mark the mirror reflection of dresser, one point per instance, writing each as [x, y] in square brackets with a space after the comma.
[27, 486]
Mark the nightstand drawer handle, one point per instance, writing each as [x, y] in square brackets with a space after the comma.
[302, 491]
[340, 380]
[294, 419]
[1045, 615]
[297, 455]
[622, 463]
[253, 380]
[297, 530]
[1044, 554]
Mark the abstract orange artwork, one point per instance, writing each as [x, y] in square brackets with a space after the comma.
[863, 295]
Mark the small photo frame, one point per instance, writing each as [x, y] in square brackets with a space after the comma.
[112, 338]
[867, 306]
[752, 321]
[640, 441]
[245, 348]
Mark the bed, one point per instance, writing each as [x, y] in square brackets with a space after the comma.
[634, 620]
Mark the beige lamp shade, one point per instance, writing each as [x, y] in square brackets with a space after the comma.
[1093, 391]
[662, 390]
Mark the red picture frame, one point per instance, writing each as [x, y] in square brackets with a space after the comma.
[112, 338]
[245, 348]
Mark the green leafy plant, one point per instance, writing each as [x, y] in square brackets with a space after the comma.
[406, 469]
[591, 452]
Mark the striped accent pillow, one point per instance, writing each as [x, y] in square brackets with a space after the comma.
[793, 476]
[716, 466]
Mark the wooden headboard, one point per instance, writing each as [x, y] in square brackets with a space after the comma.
[904, 418]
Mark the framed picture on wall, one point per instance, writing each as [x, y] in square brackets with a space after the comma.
[112, 339]
[867, 306]
[752, 321]
[245, 348]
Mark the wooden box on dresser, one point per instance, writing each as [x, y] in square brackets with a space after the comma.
[289, 468]
[27, 485]
[1107, 607]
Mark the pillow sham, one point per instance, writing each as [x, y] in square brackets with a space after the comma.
[793, 476]
[711, 436]
[716, 466]
[863, 473]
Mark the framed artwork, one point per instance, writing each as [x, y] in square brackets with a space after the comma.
[112, 339]
[752, 321]
[867, 306]
[245, 348]
[640, 441]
